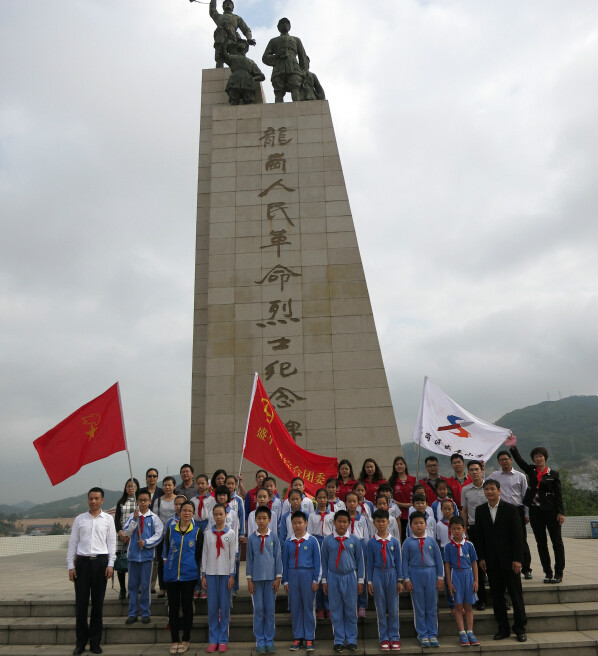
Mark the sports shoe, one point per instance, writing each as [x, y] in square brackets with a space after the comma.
[352, 647]
[463, 639]
[203, 594]
[196, 594]
[472, 639]
[395, 645]
[361, 612]
[434, 642]
[320, 614]
[424, 642]
[385, 645]
[211, 648]
[309, 645]
[297, 644]
[327, 614]
[270, 649]
[260, 650]
[338, 648]
[222, 647]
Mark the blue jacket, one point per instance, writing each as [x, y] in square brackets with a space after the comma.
[182, 552]
[351, 557]
[263, 565]
[375, 559]
[308, 557]
[151, 535]
[429, 556]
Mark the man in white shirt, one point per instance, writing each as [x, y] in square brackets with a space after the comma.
[513, 486]
[90, 558]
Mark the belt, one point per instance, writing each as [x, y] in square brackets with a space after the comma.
[93, 557]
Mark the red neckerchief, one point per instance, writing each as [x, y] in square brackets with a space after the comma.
[362, 508]
[263, 538]
[297, 543]
[352, 524]
[383, 543]
[322, 515]
[141, 523]
[456, 544]
[270, 503]
[219, 543]
[541, 474]
[331, 506]
[341, 548]
[421, 548]
[201, 503]
[443, 521]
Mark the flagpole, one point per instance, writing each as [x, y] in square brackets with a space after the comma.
[122, 418]
[420, 421]
[247, 425]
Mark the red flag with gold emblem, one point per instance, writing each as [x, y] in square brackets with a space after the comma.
[269, 445]
[91, 433]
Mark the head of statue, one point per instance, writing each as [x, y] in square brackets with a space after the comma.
[228, 6]
[242, 47]
[284, 25]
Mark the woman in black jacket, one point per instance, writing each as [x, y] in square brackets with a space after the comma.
[544, 499]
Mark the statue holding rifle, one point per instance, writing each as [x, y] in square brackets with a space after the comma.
[226, 33]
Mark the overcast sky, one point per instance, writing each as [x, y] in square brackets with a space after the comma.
[468, 138]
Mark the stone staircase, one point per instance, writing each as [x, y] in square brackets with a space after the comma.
[562, 619]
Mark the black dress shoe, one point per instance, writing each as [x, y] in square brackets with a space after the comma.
[501, 635]
[78, 650]
[145, 620]
[556, 579]
[521, 637]
[95, 650]
[338, 648]
[480, 605]
[352, 647]
[131, 620]
[528, 576]
[548, 579]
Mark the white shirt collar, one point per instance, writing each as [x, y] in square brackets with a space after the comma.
[387, 537]
[305, 536]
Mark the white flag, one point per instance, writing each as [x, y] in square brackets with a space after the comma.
[445, 427]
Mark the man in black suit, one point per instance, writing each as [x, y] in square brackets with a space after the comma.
[500, 551]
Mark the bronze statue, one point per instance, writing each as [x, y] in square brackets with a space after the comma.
[225, 34]
[311, 89]
[287, 55]
[241, 83]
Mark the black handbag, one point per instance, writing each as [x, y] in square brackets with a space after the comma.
[121, 564]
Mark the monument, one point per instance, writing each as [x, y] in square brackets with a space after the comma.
[279, 284]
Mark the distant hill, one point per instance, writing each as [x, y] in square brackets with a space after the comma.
[69, 507]
[567, 428]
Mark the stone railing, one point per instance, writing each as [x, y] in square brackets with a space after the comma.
[32, 544]
[576, 527]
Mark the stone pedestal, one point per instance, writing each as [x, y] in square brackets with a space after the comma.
[280, 289]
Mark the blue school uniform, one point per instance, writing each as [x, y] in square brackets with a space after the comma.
[360, 526]
[317, 525]
[335, 504]
[264, 566]
[422, 565]
[301, 568]
[461, 557]
[384, 576]
[218, 568]
[430, 523]
[342, 570]
[202, 510]
[443, 537]
[141, 559]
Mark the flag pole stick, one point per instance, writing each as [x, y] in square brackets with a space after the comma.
[122, 418]
[247, 426]
[420, 421]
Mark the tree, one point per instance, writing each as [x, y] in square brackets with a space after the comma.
[577, 501]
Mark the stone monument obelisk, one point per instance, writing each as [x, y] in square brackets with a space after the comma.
[279, 286]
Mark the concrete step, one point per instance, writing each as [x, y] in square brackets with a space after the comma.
[575, 643]
[534, 594]
[545, 618]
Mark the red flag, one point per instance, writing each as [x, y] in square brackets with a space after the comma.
[269, 445]
[91, 433]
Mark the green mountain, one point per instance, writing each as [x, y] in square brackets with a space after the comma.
[566, 428]
[69, 507]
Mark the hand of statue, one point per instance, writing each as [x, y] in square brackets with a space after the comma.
[251, 42]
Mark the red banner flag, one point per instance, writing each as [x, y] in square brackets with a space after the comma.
[91, 433]
[269, 445]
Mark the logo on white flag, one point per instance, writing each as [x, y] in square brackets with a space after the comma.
[457, 429]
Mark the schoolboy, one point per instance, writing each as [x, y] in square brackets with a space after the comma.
[318, 525]
[264, 574]
[334, 503]
[274, 502]
[301, 577]
[423, 573]
[218, 577]
[421, 505]
[307, 505]
[360, 526]
[342, 565]
[393, 527]
[385, 580]
[366, 506]
[442, 491]
[394, 512]
[262, 499]
[203, 502]
[285, 530]
[461, 575]
[140, 554]
[236, 503]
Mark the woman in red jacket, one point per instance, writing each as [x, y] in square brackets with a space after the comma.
[402, 486]
[346, 479]
[372, 477]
